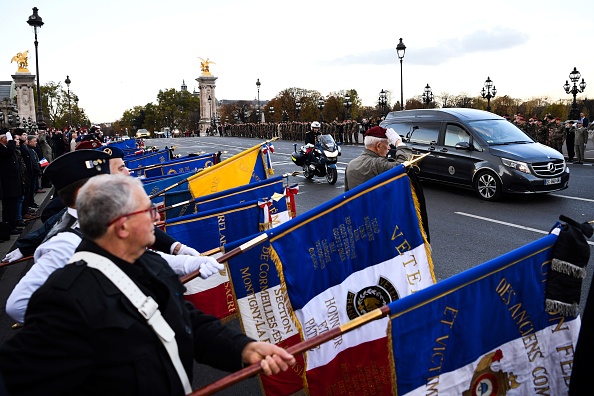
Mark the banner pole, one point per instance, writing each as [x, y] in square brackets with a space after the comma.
[294, 349]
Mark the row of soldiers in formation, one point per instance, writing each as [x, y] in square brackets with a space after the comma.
[346, 132]
[549, 131]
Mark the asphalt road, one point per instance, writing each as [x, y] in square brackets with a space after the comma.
[465, 231]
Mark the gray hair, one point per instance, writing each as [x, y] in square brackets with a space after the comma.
[102, 199]
[370, 141]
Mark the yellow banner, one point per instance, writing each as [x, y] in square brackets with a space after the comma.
[233, 172]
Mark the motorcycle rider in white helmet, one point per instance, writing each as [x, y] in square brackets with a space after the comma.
[310, 142]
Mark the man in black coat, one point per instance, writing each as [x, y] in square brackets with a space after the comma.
[83, 334]
[10, 178]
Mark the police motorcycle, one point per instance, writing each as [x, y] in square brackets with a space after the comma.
[318, 159]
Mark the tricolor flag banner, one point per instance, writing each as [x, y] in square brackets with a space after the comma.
[213, 229]
[243, 168]
[43, 162]
[180, 165]
[139, 161]
[484, 332]
[337, 262]
[248, 192]
[265, 311]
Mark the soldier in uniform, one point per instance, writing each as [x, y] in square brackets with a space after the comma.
[557, 134]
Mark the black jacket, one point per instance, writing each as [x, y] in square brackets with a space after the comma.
[10, 171]
[83, 337]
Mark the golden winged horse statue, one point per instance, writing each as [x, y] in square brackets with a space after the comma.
[21, 60]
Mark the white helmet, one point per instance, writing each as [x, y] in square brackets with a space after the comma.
[315, 124]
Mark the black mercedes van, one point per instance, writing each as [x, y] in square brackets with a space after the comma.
[479, 150]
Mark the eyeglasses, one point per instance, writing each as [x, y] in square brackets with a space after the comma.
[152, 210]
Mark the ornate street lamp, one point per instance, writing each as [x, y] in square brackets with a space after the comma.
[321, 107]
[574, 76]
[298, 110]
[258, 86]
[400, 50]
[488, 92]
[77, 113]
[271, 109]
[347, 105]
[210, 109]
[383, 101]
[36, 23]
[67, 81]
[427, 96]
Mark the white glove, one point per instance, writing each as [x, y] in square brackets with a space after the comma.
[13, 256]
[393, 137]
[8, 136]
[184, 265]
[185, 250]
[208, 266]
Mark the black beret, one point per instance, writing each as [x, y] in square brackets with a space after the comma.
[76, 165]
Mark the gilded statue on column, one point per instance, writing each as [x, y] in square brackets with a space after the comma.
[205, 66]
[21, 60]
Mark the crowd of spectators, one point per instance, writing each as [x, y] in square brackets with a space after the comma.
[23, 156]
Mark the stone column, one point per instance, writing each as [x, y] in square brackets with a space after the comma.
[207, 86]
[24, 82]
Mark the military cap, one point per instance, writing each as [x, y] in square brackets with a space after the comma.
[377, 131]
[113, 151]
[76, 165]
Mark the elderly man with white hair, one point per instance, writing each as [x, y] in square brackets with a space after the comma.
[114, 321]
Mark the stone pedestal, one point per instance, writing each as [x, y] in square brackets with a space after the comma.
[207, 86]
[24, 83]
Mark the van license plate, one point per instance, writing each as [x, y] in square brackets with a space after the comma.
[555, 180]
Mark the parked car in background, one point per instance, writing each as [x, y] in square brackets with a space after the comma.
[143, 133]
[479, 150]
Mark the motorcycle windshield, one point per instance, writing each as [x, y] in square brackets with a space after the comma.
[327, 142]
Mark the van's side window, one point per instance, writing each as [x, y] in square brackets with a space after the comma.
[425, 133]
[403, 129]
[454, 135]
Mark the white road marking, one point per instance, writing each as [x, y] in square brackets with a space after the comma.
[576, 198]
[508, 224]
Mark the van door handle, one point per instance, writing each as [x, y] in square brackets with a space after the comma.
[431, 148]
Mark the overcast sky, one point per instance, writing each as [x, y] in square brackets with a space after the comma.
[119, 54]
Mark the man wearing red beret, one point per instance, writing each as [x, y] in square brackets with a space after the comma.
[372, 160]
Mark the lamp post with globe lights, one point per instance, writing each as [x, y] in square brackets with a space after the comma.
[258, 86]
[321, 107]
[427, 96]
[298, 110]
[400, 50]
[488, 92]
[383, 101]
[574, 76]
[67, 81]
[36, 22]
